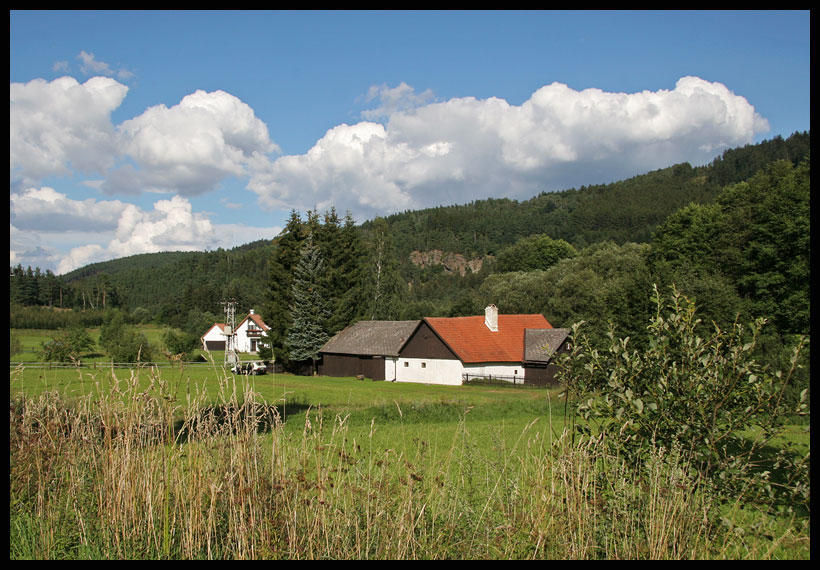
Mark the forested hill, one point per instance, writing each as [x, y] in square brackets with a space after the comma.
[184, 288]
[623, 211]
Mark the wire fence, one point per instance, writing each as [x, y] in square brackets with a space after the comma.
[493, 379]
[103, 365]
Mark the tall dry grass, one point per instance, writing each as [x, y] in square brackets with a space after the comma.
[133, 473]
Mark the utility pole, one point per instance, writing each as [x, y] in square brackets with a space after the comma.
[231, 357]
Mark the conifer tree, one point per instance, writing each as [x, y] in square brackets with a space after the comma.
[284, 258]
[345, 276]
[310, 307]
[382, 282]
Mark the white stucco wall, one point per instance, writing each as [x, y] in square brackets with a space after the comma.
[429, 371]
[449, 372]
[241, 340]
[390, 368]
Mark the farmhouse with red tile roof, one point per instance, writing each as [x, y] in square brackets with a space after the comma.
[439, 350]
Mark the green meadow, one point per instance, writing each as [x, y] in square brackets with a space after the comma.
[193, 462]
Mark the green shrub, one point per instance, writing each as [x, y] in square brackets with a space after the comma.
[67, 345]
[122, 342]
[181, 343]
[707, 396]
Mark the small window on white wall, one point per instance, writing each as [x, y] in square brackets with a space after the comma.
[424, 365]
[406, 364]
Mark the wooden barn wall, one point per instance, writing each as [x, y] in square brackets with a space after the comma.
[424, 343]
[540, 374]
[341, 365]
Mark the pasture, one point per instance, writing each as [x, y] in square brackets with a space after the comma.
[193, 462]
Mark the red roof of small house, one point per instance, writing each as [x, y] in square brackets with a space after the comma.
[472, 342]
[256, 319]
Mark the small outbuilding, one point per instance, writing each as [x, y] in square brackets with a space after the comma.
[214, 337]
[541, 349]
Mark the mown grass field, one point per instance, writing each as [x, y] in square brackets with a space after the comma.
[31, 341]
[193, 462]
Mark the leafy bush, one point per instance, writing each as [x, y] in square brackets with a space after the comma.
[182, 343]
[707, 396]
[67, 345]
[122, 342]
[534, 252]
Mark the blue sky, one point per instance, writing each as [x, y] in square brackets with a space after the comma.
[135, 132]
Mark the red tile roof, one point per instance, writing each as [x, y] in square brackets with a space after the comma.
[472, 342]
[256, 319]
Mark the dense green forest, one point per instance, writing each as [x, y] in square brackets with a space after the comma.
[623, 211]
[733, 235]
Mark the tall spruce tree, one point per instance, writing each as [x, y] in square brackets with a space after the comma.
[282, 261]
[327, 238]
[344, 272]
[310, 306]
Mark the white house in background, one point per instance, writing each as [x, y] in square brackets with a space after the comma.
[249, 334]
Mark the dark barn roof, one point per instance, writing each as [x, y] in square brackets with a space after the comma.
[374, 338]
[541, 344]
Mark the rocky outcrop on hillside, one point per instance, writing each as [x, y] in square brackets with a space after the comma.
[452, 262]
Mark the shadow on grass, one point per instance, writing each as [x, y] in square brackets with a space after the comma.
[784, 466]
[233, 418]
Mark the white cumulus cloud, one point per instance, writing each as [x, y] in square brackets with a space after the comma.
[463, 149]
[62, 125]
[46, 210]
[50, 230]
[92, 66]
[410, 152]
[394, 99]
[190, 147]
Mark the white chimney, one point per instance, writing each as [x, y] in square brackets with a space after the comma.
[491, 317]
[251, 311]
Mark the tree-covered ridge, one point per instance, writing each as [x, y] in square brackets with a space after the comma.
[756, 237]
[175, 288]
[622, 211]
